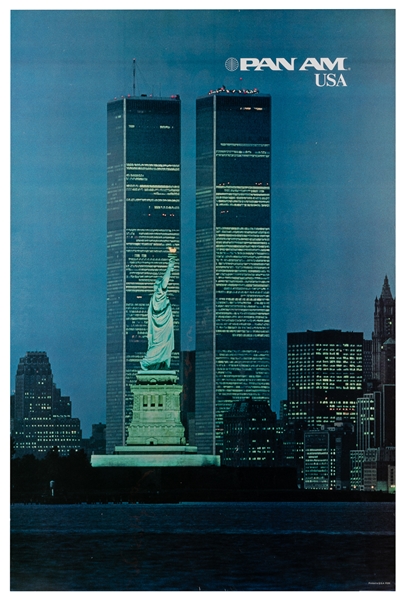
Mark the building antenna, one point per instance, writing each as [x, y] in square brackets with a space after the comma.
[134, 77]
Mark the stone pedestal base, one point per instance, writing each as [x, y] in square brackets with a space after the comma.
[155, 456]
[156, 410]
[156, 434]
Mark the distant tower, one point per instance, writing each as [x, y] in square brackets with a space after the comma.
[143, 207]
[41, 416]
[233, 258]
[384, 335]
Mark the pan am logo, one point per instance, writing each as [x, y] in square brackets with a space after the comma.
[231, 64]
[280, 64]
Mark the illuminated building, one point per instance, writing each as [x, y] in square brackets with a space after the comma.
[233, 278]
[367, 364]
[368, 408]
[41, 416]
[383, 336]
[325, 376]
[249, 435]
[143, 205]
[317, 460]
[373, 469]
[375, 420]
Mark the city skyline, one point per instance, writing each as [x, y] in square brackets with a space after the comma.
[332, 172]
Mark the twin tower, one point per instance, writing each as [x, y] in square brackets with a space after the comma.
[233, 226]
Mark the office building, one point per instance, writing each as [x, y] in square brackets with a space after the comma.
[143, 181]
[367, 421]
[317, 460]
[387, 416]
[233, 277]
[249, 435]
[40, 415]
[325, 376]
[373, 470]
[327, 456]
[367, 365]
[375, 419]
[388, 362]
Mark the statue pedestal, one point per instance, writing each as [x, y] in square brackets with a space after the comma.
[156, 410]
[156, 434]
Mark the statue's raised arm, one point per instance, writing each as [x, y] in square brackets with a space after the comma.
[160, 333]
[169, 270]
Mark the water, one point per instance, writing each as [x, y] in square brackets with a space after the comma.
[274, 546]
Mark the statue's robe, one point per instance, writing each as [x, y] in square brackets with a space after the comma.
[160, 333]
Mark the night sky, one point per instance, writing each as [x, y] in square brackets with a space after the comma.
[333, 222]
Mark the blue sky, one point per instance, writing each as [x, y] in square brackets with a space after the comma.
[333, 222]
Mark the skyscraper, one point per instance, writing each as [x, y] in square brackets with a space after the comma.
[143, 204]
[40, 415]
[325, 376]
[368, 421]
[327, 456]
[233, 277]
[383, 337]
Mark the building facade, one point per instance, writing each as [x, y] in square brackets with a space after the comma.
[373, 470]
[327, 456]
[40, 415]
[325, 376]
[367, 421]
[249, 435]
[233, 276]
[143, 205]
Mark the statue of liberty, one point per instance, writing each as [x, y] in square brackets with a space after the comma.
[160, 332]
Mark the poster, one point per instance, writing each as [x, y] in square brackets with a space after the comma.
[331, 77]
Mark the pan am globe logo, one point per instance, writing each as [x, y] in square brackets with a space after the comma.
[231, 64]
[322, 79]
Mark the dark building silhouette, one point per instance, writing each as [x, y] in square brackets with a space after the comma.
[388, 362]
[249, 435]
[143, 180]
[233, 278]
[367, 365]
[327, 456]
[96, 444]
[373, 460]
[187, 380]
[387, 416]
[384, 335]
[40, 416]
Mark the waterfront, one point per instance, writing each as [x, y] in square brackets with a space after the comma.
[266, 546]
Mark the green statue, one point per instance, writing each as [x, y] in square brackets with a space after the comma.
[160, 333]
